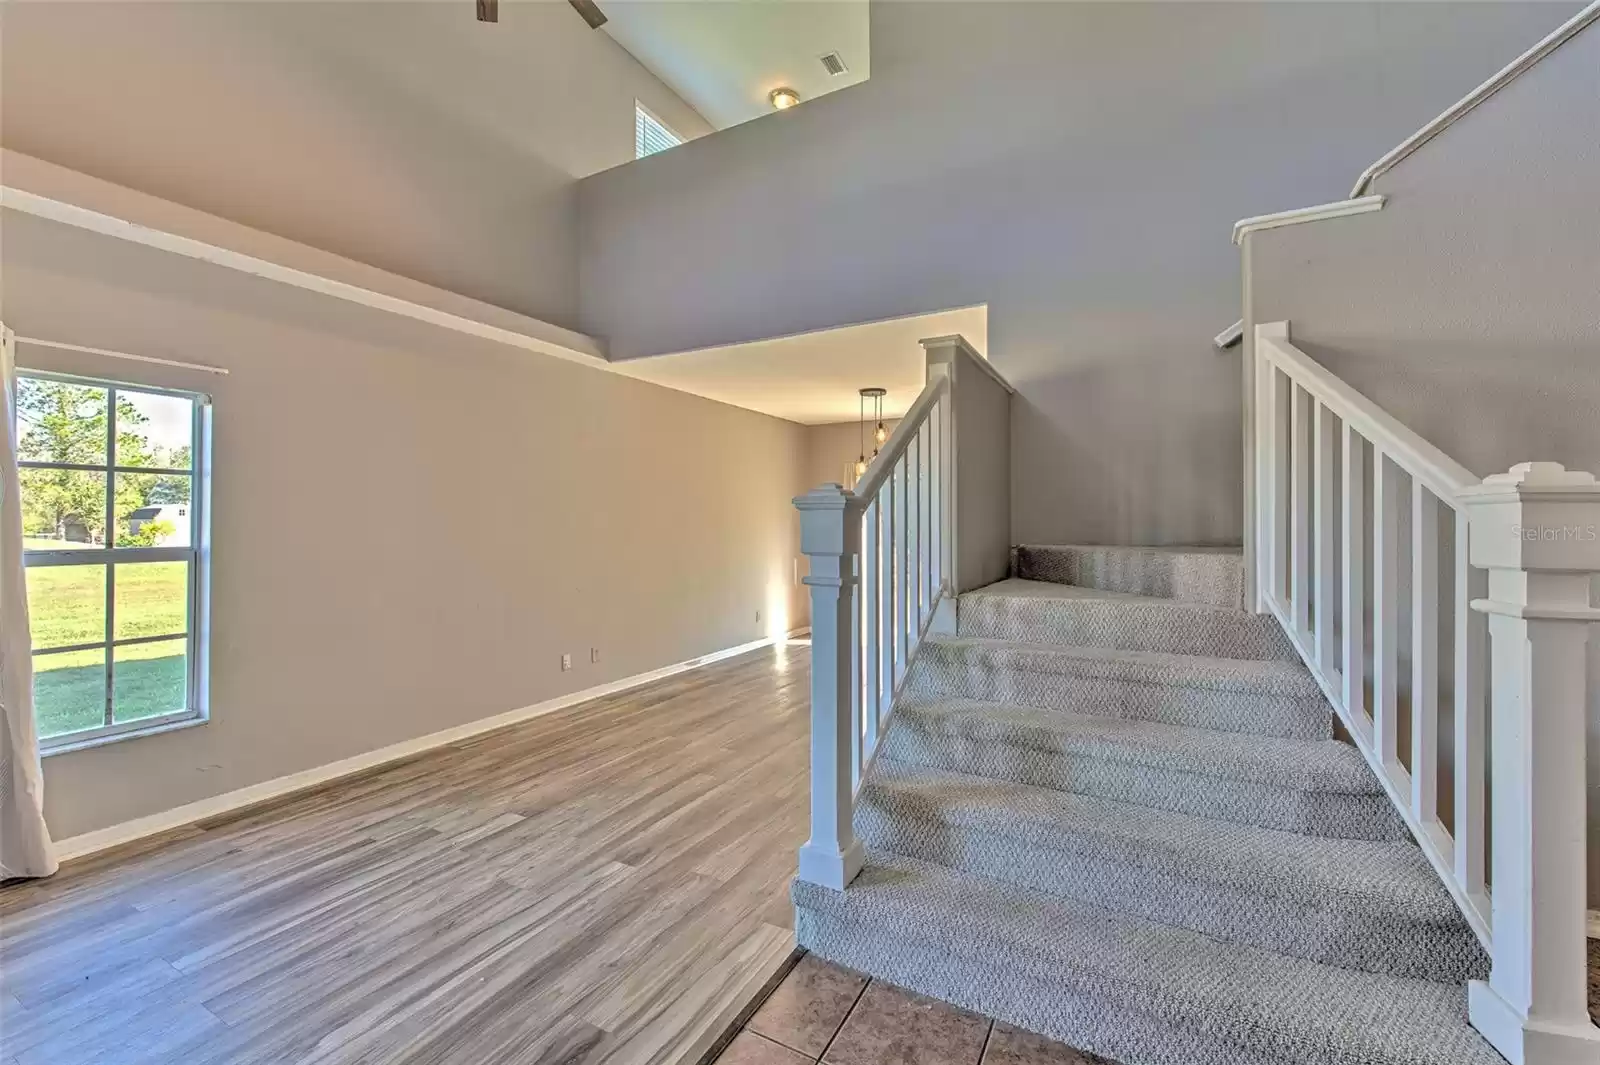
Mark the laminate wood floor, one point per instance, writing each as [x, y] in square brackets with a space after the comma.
[605, 884]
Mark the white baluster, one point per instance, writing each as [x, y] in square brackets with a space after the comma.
[884, 594]
[948, 443]
[1536, 530]
[914, 541]
[1281, 391]
[936, 503]
[830, 537]
[925, 542]
[872, 701]
[1300, 511]
[1266, 546]
[1326, 446]
[1424, 655]
[1471, 828]
[1355, 591]
[1386, 592]
[902, 570]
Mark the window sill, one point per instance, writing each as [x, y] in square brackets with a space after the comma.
[69, 743]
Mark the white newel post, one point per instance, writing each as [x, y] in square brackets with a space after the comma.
[1536, 530]
[830, 536]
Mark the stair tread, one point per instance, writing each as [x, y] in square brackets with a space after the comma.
[1134, 549]
[1271, 1004]
[1022, 588]
[1264, 676]
[1070, 615]
[1308, 765]
[1377, 877]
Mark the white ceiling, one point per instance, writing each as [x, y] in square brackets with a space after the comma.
[724, 56]
[814, 378]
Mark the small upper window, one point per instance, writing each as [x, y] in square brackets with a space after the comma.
[650, 134]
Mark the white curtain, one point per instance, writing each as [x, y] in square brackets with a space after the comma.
[25, 848]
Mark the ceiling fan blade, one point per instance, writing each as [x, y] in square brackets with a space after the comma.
[590, 11]
[488, 10]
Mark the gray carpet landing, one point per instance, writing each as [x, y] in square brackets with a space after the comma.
[1110, 809]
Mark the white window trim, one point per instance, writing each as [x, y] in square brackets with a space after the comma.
[640, 107]
[198, 555]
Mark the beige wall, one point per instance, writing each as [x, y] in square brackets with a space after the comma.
[1076, 167]
[1469, 307]
[406, 135]
[488, 510]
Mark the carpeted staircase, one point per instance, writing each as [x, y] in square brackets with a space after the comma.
[1111, 810]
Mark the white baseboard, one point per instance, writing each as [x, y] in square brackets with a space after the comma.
[179, 816]
[1594, 924]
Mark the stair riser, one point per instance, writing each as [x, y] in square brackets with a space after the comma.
[1089, 871]
[1212, 579]
[953, 671]
[1333, 814]
[1038, 1005]
[1125, 625]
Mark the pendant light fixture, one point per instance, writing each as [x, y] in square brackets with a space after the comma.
[878, 435]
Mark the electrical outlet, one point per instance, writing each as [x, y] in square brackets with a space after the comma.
[758, 617]
[594, 654]
[566, 663]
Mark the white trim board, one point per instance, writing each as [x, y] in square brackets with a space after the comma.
[520, 331]
[140, 827]
[1594, 924]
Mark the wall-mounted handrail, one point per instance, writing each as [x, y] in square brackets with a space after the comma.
[1360, 195]
[1454, 113]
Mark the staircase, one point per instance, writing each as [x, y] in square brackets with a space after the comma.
[1110, 809]
[1097, 792]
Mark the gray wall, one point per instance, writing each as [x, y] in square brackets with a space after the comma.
[405, 135]
[489, 510]
[1469, 307]
[983, 469]
[1074, 166]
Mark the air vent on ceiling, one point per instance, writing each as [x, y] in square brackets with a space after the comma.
[833, 64]
[590, 11]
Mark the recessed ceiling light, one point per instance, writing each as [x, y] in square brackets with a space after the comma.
[783, 99]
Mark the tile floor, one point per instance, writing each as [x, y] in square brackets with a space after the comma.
[821, 1012]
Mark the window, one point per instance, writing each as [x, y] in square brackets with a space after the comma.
[650, 134]
[112, 523]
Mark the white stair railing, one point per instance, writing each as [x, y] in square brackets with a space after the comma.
[882, 561]
[1467, 696]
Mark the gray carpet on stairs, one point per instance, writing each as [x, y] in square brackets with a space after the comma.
[1115, 815]
[1229, 695]
[1210, 575]
[1316, 786]
[1352, 903]
[1196, 999]
[1040, 612]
